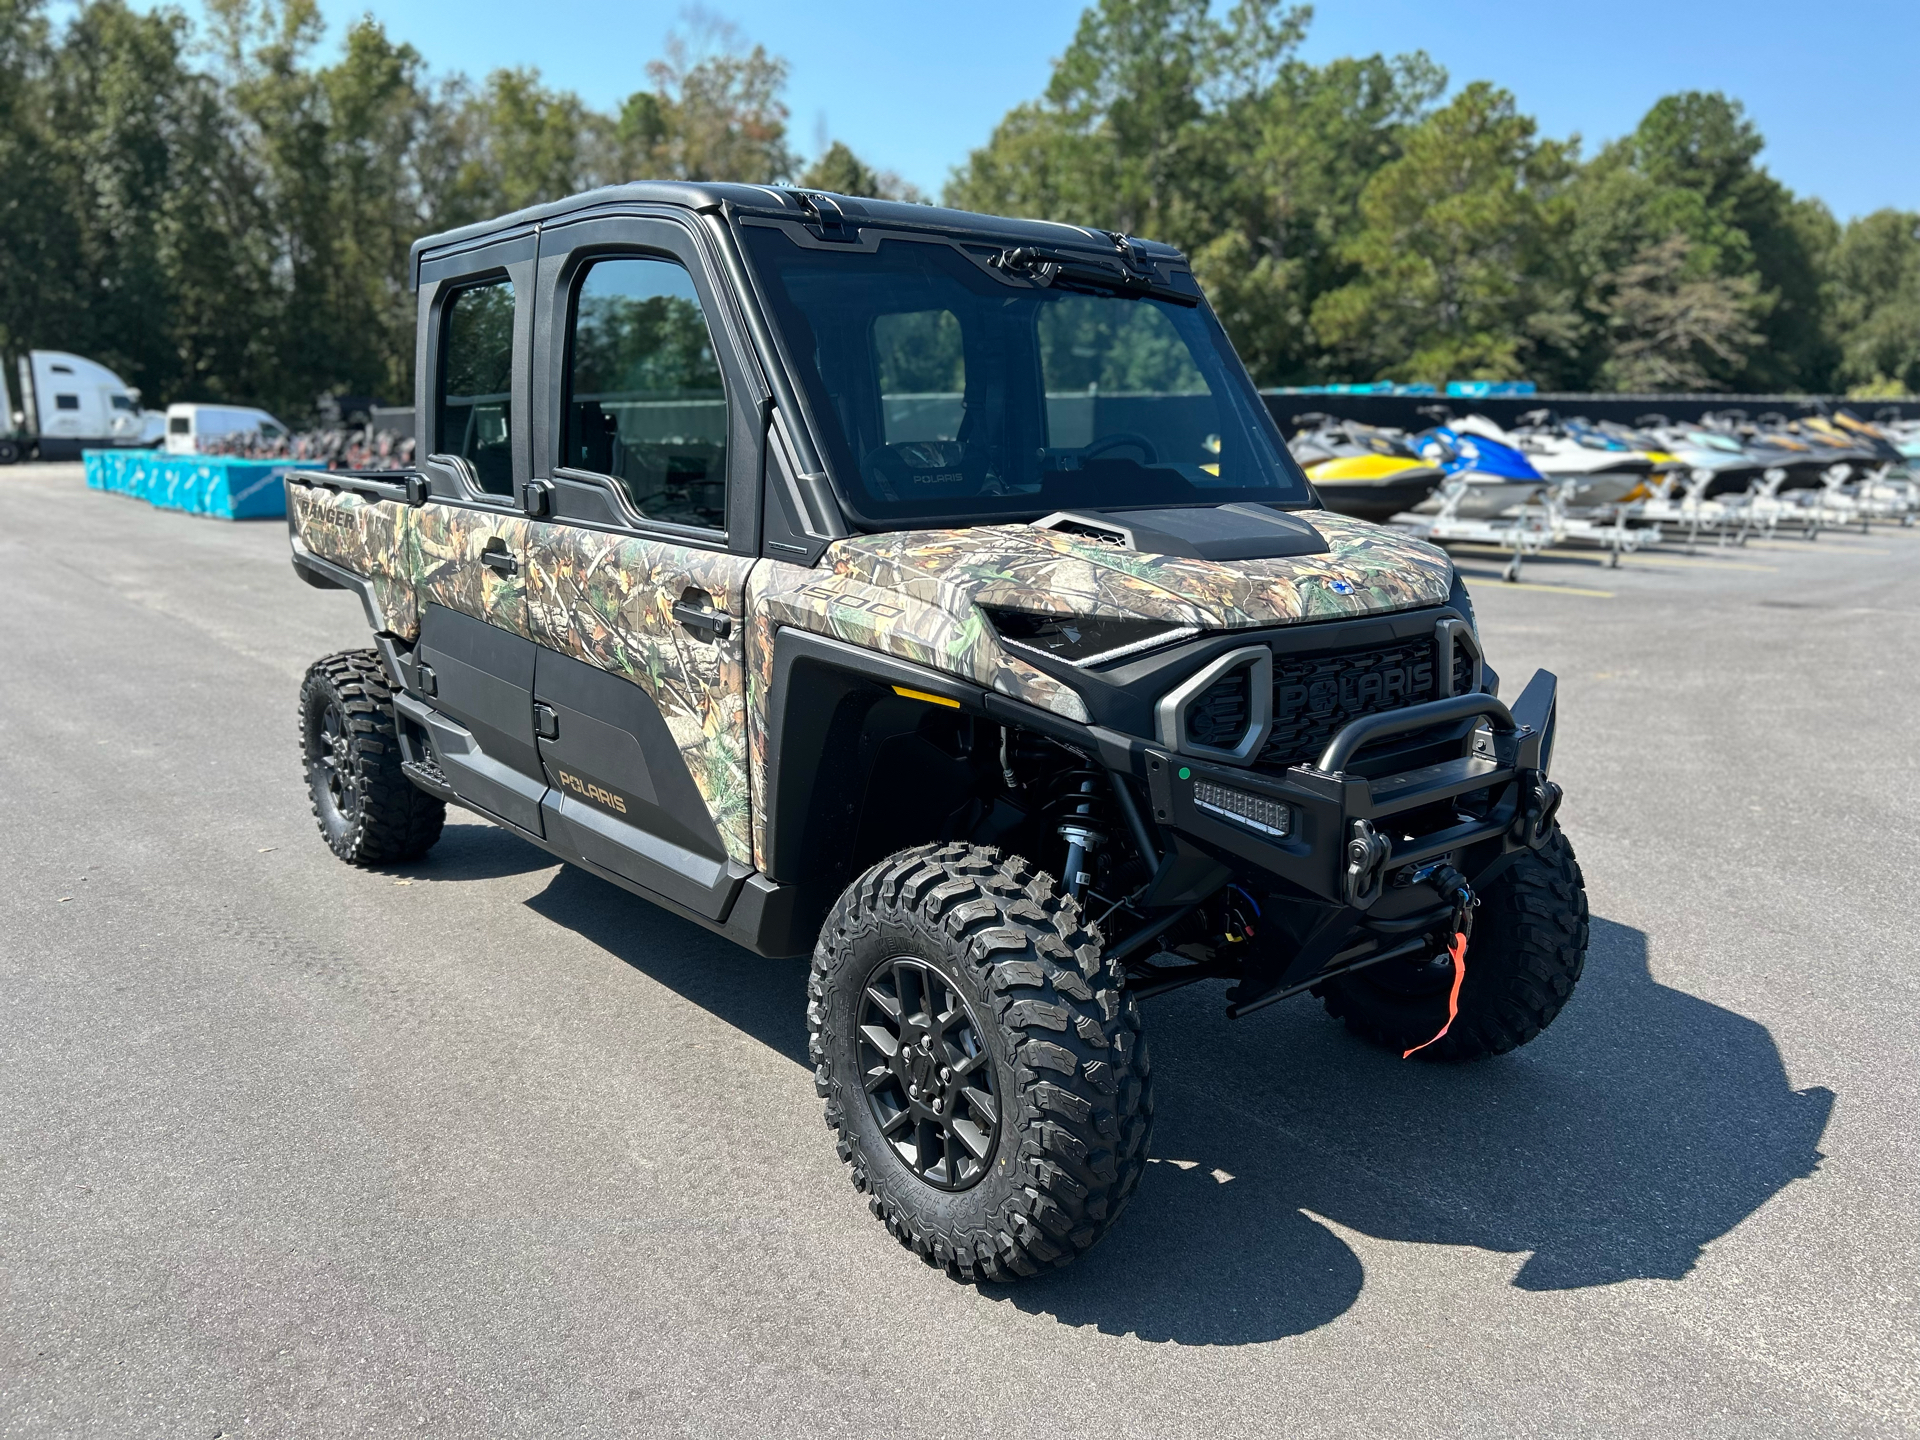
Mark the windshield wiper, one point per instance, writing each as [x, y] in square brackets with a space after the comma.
[1067, 271]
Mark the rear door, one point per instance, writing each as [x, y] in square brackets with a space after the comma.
[475, 654]
[650, 457]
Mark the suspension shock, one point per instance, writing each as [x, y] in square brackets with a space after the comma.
[1079, 804]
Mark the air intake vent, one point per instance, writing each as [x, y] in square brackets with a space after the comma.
[1218, 719]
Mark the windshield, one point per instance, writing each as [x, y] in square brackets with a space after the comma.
[945, 394]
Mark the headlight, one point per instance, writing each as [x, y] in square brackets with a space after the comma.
[1083, 639]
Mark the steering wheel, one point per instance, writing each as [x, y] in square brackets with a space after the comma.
[1120, 439]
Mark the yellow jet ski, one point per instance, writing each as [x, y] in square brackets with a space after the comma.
[1368, 473]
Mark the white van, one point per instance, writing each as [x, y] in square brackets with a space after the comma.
[190, 426]
[69, 403]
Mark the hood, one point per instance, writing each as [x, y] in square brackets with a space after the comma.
[1316, 565]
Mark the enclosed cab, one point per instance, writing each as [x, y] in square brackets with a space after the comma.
[931, 594]
[191, 427]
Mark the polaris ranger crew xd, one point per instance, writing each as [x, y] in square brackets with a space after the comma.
[933, 594]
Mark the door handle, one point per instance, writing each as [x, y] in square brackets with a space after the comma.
[499, 560]
[702, 619]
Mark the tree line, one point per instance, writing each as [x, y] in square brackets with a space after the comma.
[218, 213]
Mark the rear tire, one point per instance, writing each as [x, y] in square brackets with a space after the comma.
[950, 958]
[9, 452]
[1528, 948]
[368, 811]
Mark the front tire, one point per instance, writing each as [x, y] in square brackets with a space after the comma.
[1528, 948]
[981, 1063]
[367, 809]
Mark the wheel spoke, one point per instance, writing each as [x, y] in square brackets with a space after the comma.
[983, 1106]
[895, 1121]
[977, 1141]
[887, 1004]
[878, 1076]
[882, 1040]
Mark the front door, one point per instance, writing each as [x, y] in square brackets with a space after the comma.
[634, 589]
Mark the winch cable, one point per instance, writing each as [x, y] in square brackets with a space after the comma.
[1453, 886]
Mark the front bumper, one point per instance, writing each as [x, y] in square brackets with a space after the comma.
[1349, 837]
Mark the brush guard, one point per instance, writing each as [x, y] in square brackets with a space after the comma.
[1373, 886]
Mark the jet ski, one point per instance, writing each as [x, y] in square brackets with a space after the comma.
[1718, 464]
[1606, 471]
[1368, 473]
[1498, 477]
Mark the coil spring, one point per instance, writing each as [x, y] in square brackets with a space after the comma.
[1077, 795]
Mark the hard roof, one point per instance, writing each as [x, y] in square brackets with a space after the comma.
[783, 201]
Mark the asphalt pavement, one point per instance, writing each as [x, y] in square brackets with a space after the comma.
[485, 1147]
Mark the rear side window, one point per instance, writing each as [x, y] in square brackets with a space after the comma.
[475, 396]
[180, 425]
[66, 402]
[645, 402]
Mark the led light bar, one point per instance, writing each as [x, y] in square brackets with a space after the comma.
[1256, 812]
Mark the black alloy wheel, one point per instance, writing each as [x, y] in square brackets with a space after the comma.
[368, 810]
[927, 1073]
[331, 774]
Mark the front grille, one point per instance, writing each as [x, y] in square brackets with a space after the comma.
[1314, 695]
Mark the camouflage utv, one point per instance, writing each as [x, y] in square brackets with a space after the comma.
[932, 594]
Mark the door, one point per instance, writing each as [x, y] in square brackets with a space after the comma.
[636, 578]
[475, 657]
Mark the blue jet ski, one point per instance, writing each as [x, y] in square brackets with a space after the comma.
[1498, 477]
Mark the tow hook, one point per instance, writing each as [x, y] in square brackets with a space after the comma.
[1367, 853]
[1539, 804]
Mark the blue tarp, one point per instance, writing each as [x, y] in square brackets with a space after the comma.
[216, 485]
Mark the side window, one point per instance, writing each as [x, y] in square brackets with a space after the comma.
[474, 402]
[922, 376]
[645, 403]
[66, 402]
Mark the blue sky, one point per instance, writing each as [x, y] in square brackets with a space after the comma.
[913, 87]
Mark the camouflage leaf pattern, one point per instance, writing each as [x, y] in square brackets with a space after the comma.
[1366, 570]
[915, 594]
[448, 543]
[373, 538]
[608, 600]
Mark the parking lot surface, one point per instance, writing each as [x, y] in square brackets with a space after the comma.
[485, 1147]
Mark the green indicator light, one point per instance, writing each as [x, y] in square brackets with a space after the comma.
[1185, 773]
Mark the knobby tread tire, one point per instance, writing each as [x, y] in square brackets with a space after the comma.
[396, 821]
[1528, 948]
[1077, 1102]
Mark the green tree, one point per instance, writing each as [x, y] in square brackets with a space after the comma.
[1874, 299]
[1210, 133]
[1456, 252]
[1698, 151]
[725, 119]
[842, 172]
[1675, 326]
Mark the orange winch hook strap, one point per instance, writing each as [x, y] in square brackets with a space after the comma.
[1458, 950]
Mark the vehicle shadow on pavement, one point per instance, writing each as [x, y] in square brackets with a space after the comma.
[766, 999]
[1644, 1124]
[476, 850]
